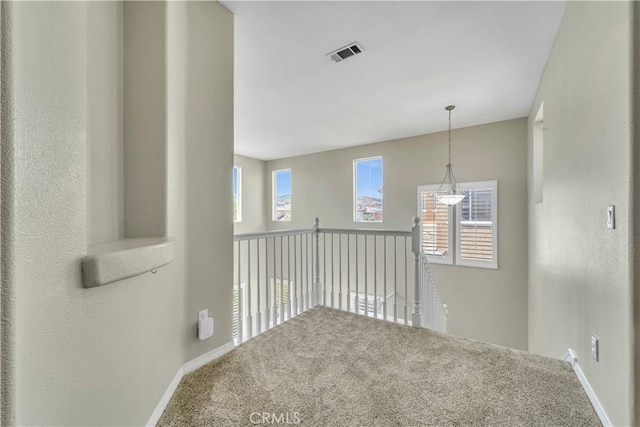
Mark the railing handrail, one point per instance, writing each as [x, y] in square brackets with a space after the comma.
[273, 233]
[290, 232]
[365, 231]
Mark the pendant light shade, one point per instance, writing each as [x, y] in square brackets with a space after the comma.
[449, 192]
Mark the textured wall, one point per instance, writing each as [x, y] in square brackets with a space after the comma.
[82, 354]
[635, 211]
[579, 270]
[105, 356]
[484, 304]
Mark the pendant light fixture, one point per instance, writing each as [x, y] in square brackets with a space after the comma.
[449, 191]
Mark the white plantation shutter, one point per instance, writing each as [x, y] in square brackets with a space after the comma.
[367, 303]
[236, 312]
[275, 295]
[476, 231]
[436, 225]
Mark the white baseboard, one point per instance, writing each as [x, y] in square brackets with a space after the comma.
[571, 357]
[157, 413]
[200, 361]
[188, 367]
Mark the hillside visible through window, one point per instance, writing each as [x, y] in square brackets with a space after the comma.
[282, 195]
[368, 190]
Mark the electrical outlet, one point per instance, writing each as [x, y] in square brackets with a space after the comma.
[595, 348]
[205, 324]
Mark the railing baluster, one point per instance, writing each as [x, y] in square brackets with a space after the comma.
[375, 276]
[366, 283]
[249, 315]
[395, 279]
[267, 286]
[324, 268]
[357, 304]
[332, 273]
[406, 295]
[303, 271]
[275, 289]
[259, 313]
[340, 270]
[240, 299]
[309, 270]
[416, 316]
[281, 283]
[384, 306]
[316, 258]
[348, 272]
[295, 275]
[289, 276]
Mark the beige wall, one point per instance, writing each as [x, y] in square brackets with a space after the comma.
[578, 269]
[484, 304]
[254, 217]
[634, 212]
[105, 356]
[144, 118]
[208, 144]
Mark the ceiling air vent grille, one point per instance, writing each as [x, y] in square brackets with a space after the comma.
[345, 52]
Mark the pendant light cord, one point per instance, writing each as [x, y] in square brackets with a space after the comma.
[449, 136]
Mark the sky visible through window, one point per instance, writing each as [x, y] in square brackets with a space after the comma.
[369, 178]
[282, 195]
[283, 183]
[368, 195]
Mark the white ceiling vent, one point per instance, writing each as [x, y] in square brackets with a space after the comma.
[345, 52]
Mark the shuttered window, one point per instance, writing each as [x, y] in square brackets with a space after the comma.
[436, 225]
[468, 229]
[280, 288]
[238, 296]
[476, 225]
[367, 304]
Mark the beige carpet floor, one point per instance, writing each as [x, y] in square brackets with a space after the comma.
[331, 368]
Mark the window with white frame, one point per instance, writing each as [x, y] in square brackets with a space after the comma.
[477, 226]
[367, 190]
[473, 223]
[237, 194]
[281, 195]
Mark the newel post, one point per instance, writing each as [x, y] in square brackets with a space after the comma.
[416, 319]
[316, 276]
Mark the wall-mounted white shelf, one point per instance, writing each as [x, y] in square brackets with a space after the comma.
[112, 261]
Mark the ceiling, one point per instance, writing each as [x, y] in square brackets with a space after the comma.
[291, 99]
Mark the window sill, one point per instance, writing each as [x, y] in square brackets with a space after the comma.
[121, 259]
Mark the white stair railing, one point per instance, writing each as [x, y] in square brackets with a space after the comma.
[280, 274]
[365, 271]
[434, 312]
[429, 309]
[273, 279]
